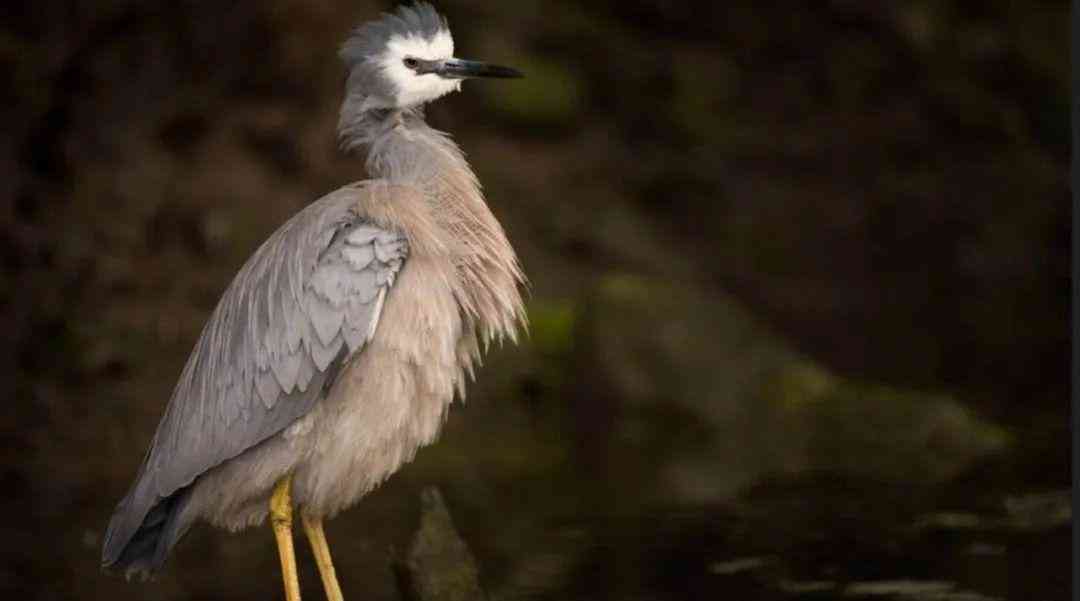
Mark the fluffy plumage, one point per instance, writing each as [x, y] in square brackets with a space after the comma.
[338, 348]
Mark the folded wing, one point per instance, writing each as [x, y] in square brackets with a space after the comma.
[309, 297]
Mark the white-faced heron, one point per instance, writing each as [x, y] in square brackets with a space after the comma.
[336, 351]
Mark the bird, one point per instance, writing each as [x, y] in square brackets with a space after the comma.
[336, 351]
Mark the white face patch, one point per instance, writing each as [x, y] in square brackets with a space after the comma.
[413, 88]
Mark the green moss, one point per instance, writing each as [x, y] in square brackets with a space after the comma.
[881, 431]
[799, 385]
[626, 288]
[551, 326]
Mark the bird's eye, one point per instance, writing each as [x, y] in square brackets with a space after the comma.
[412, 63]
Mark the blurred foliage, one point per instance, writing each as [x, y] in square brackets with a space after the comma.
[549, 95]
[551, 327]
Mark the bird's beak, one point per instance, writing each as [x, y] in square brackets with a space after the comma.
[456, 68]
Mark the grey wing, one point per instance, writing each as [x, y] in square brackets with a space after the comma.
[309, 296]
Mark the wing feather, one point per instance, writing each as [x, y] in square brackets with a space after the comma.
[270, 349]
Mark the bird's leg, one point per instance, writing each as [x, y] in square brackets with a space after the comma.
[281, 520]
[321, 549]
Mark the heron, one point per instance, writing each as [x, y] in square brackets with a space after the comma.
[339, 346]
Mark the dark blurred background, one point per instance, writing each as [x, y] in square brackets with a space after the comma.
[799, 289]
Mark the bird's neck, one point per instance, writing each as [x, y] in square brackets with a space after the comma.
[401, 147]
[360, 129]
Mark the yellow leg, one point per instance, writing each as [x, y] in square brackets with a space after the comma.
[321, 549]
[281, 520]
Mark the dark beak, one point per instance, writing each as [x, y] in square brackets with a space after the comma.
[456, 68]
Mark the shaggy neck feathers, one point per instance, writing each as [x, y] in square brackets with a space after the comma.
[403, 149]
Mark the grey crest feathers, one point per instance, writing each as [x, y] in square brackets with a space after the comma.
[370, 39]
[309, 296]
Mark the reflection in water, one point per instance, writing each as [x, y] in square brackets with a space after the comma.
[860, 547]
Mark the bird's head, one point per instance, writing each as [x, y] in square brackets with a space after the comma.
[406, 58]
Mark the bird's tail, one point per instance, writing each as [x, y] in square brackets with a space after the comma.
[142, 550]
